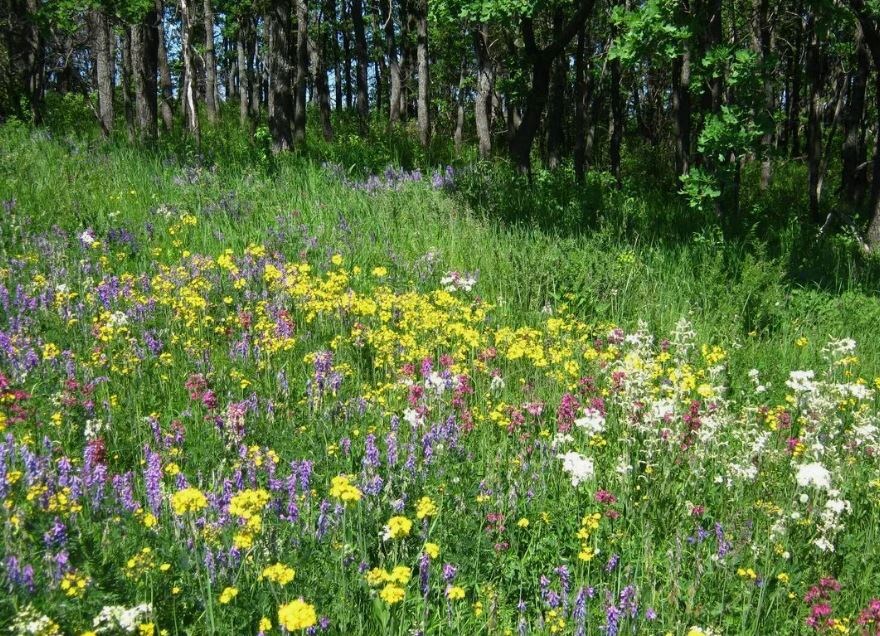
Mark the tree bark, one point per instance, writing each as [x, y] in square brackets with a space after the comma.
[360, 47]
[103, 69]
[814, 126]
[459, 114]
[393, 69]
[540, 61]
[423, 104]
[165, 91]
[127, 82]
[556, 109]
[616, 129]
[346, 52]
[245, 69]
[302, 70]
[191, 115]
[485, 88]
[145, 59]
[579, 105]
[681, 111]
[322, 87]
[853, 181]
[211, 97]
[281, 114]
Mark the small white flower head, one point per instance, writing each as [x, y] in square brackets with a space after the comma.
[593, 422]
[802, 381]
[815, 475]
[578, 466]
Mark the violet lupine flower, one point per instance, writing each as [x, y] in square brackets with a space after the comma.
[612, 562]
[651, 614]
[628, 602]
[371, 452]
[579, 614]
[449, 572]
[122, 484]
[56, 536]
[323, 519]
[391, 448]
[153, 480]
[424, 571]
[612, 620]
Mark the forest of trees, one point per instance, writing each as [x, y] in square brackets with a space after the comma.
[710, 87]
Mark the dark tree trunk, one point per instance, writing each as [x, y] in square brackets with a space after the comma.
[459, 111]
[616, 129]
[127, 82]
[681, 111]
[360, 47]
[580, 95]
[853, 181]
[280, 75]
[485, 88]
[346, 50]
[324, 50]
[794, 110]
[302, 70]
[541, 61]
[423, 103]
[763, 36]
[34, 63]
[210, 57]
[145, 61]
[556, 109]
[814, 126]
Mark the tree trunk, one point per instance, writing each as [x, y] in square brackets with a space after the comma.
[322, 87]
[191, 115]
[211, 98]
[346, 52]
[145, 59]
[579, 105]
[423, 104]
[103, 69]
[763, 41]
[681, 111]
[279, 53]
[165, 91]
[556, 109]
[360, 47]
[34, 62]
[245, 73]
[302, 71]
[459, 114]
[853, 181]
[616, 129]
[814, 126]
[794, 110]
[485, 87]
[127, 82]
[393, 69]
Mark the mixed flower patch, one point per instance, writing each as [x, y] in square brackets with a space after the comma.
[238, 442]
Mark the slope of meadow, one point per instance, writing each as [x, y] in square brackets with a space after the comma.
[246, 395]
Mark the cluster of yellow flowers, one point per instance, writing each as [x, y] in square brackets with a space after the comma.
[589, 524]
[278, 573]
[297, 615]
[188, 500]
[342, 489]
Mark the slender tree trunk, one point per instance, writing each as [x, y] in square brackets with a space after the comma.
[165, 91]
[245, 76]
[324, 50]
[814, 126]
[393, 69]
[459, 114]
[681, 111]
[279, 53]
[616, 131]
[852, 180]
[211, 99]
[127, 82]
[34, 62]
[103, 70]
[485, 88]
[145, 59]
[191, 115]
[423, 104]
[360, 47]
[346, 51]
[794, 111]
[302, 70]
[556, 109]
[579, 105]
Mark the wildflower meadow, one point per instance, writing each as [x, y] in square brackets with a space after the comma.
[225, 420]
